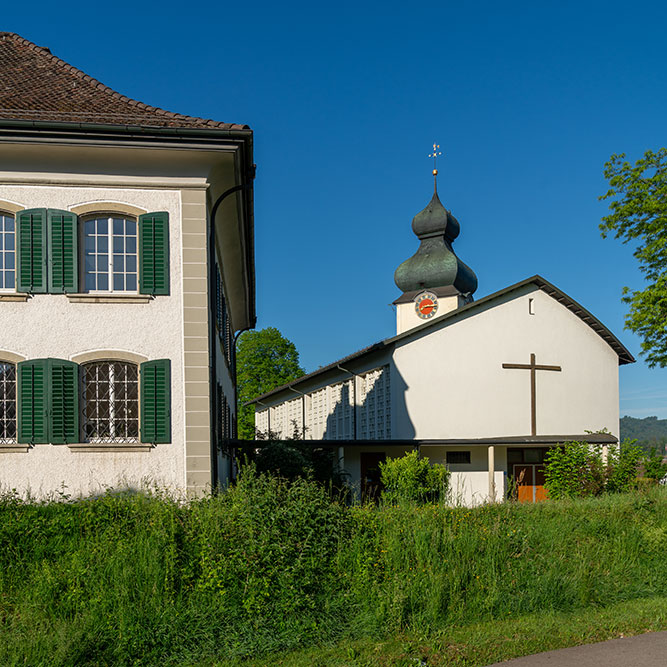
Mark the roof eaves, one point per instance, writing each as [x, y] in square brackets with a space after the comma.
[624, 356]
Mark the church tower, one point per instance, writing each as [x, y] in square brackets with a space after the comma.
[434, 280]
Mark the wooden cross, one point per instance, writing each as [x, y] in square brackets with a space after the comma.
[532, 367]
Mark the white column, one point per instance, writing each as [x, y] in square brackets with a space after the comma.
[492, 474]
[341, 457]
[605, 454]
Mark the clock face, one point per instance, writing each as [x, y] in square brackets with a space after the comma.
[426, 305]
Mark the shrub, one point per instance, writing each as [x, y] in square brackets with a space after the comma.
[412, 478]
[578, 470]
[654, 468]
[574, 470]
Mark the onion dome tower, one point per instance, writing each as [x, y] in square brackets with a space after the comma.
[434, 280]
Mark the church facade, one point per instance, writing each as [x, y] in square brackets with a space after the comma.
[484, 386]
[126, 267]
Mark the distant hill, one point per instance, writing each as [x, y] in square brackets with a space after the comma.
[650, 432]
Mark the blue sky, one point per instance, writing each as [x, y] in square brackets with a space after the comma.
[527, 100]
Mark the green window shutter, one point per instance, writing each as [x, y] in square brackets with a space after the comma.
[31, 251]
[64, 403]
[63, 244]
[32, 401]
[154, 253]
[155, 399]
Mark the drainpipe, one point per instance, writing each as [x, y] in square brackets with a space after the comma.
[212, 343]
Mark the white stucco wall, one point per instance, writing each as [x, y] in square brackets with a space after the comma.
[53, 326]
[454, 386]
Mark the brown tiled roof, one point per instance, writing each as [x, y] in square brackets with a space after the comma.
[38, 86]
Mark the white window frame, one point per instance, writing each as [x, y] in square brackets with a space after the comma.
[110, 252]
[112, 437]
[3, 234]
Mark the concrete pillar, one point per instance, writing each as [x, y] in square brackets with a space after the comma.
[605, 454]
[492, 475]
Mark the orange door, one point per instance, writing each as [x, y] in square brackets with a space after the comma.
[530, 482]
[523, 474]
[540, 491]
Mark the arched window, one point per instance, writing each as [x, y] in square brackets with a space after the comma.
[7, 402]
[110, 401]
[110, 254]
[7, 252]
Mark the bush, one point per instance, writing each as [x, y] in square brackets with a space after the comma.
[413, 479]
[141, 579]
[578, 470]
[654, 468]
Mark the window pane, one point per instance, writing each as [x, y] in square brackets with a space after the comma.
[131, 244]
[7, 403]
[130, 227]
[9, 224]
[131, 264]
[102, 243]
[131, 283]
[9, 279]
[109, 416]
[9, 260]
[9, 240]
[103, 281]
[102, 226]
[118, 263]
[118, 227]
[118, 244]
[118, 282]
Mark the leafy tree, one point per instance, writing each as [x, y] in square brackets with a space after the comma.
[639, 214]
[265, 359]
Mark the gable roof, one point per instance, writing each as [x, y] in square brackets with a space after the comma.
[624, 356]
[36, 85]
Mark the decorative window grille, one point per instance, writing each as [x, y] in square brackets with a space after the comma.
[340, 421]
[294, 419]
[262, 420]
[7, 253]
[7, 403]
[110, 255]
[317, 414]
[110, 402]
[375, 405]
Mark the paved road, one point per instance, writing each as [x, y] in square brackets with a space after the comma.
[649, 650]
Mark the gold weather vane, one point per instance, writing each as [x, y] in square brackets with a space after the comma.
[434, 155]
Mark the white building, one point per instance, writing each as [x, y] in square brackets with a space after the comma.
[484, 386]
[123, 277]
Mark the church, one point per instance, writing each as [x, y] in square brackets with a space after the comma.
[485, 386]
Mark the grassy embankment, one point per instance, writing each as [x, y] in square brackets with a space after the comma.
[268, 567]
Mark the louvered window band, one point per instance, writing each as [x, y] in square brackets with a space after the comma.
[7, 403]
[110, 402]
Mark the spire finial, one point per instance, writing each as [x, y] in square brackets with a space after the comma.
[434, 155]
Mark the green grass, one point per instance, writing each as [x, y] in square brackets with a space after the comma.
[268, 567]
[482, 644]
